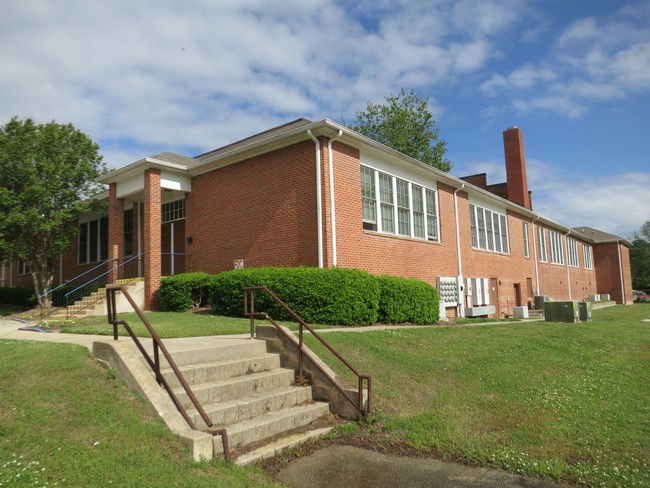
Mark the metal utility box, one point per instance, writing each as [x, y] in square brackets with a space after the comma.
[585, 311]
[561, 311]
[539, 301]
[594, 298]
[605, 297]
[520, 312]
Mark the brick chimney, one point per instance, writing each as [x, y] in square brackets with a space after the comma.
[513, 145]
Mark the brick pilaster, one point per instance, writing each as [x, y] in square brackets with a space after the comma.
[151, 238]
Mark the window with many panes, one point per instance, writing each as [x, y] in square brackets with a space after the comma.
[572, 252]
[489, 230]
[586, 251]
[541, 240]
[173, 211]
[524, 230]
[557, 251]
[403, 207]
[93, 241]
[128, 232]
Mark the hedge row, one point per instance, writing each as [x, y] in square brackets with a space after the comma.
[183, 291]
[20, 296]
[324, 296]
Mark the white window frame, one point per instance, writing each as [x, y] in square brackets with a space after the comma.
[489, 230]
[524, 229]
[588, 256]
[400, 206]
[557, 249]
[541, 239]
[572, 252]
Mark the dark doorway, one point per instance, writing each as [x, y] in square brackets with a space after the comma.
[517, 294]
[172, 248]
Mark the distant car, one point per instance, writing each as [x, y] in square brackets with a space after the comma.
[640, 296]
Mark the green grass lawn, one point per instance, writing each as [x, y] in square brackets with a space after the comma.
[65, 421]
[562, 401]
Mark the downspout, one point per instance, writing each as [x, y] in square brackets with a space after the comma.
[460, 258]
[319, 203]
[535, 255]
[332, 206]
[620, 269]
[568, 275]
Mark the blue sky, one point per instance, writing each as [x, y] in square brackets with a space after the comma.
[145, 76]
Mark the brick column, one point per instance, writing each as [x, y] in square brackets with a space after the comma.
[115, 229]
[151, 238]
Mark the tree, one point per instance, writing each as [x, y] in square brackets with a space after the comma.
[640, 257]
[46, 181]
[405, 124]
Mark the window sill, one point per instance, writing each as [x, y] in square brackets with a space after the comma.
[396, 236]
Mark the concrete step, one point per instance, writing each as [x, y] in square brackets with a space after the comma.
[230, 412]
[240, 386]
[270, 424]
[194, 353]
[221, 370]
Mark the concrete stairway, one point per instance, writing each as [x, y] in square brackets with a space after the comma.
[243, 389]
[94, 305]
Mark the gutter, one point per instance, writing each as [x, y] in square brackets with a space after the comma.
[568, 272]
[332, 205]
[620, 270]
[319, 203]
[535, 254]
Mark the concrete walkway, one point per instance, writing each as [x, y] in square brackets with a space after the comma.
[335, 466]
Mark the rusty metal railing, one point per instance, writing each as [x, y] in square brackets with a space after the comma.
[249, 311]
[154, 363]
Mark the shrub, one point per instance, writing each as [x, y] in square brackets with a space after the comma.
[20, 296]
[407, 300]
[183, 291]
[323, 296]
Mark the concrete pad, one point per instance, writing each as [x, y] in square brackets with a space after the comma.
[346, 466]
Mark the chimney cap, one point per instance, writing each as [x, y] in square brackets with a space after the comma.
[512, 128]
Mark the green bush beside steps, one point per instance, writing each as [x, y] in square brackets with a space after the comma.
[334, 296]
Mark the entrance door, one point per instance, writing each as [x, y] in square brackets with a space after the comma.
[172, 248]
[517, 294]
[494, 295]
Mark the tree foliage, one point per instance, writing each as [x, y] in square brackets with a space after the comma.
[405, 124]
[46, 181]
[640, 257]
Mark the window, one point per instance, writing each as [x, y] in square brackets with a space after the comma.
[418, 211]
[489, 230]
[128, 232]
[173, 211]
[368, 199]
[541, 238]
[572, 252]
[93, 241]
[386, 200]
[23, 269]
[586, 250]
[557, 252]
[404, 208]
[524, 230]
[432, 215]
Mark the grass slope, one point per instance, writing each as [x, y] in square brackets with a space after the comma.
[560, 401]
[65, 421]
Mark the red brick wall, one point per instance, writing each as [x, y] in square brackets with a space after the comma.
[152, 238]
[261, 210]
[606, 263]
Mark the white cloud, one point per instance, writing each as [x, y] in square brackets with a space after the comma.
[611, 203]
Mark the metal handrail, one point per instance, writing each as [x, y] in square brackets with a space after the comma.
[66, 282]
[249, 311]
[154, 363]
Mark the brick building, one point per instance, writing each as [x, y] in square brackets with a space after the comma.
[318, 194]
